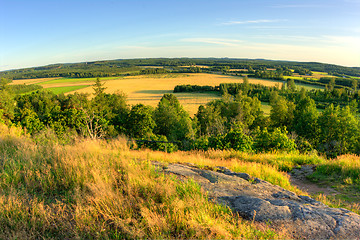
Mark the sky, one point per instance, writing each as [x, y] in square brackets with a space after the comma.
[37, 33]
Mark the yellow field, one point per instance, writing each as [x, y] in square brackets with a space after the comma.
[148, 89]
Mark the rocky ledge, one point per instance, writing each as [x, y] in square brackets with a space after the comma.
[255, 199]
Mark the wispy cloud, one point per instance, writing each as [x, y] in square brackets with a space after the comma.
[297, 6]
[217, 41]
[349, 41]
[253, 21]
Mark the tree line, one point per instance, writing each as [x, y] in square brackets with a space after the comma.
[134, 66]
[235, 121]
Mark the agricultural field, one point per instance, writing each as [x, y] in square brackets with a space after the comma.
[60, 90]
[148, 89]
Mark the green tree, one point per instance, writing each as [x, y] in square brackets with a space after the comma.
[172, 120]
[7, 106]
[282, 112]
[339, 131]
[140, 121]
[354, 84]
[305, 119]
[277, 140]
[291, 85]
[210, 121]
[98, 87]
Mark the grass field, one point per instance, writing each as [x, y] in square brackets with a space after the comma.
[265, 107]
[67, 89]
[309, 87]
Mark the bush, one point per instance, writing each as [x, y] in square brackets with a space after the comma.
[156, 142]
[273, 141]
[235, 139]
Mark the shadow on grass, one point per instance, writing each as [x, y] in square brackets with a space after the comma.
[154, 91]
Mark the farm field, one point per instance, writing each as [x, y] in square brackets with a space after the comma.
[60, 90]
[148, 89]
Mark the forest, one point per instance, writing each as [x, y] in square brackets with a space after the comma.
[134, 66]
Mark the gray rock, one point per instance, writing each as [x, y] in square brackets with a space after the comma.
[258, 200]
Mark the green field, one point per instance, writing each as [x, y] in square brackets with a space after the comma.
[300, 78]
[60, 90]
[309, 87]
[265, 106]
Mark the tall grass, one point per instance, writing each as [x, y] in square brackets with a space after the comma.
[280, 160]
[95, 189]
[344, 167]
[263, 166]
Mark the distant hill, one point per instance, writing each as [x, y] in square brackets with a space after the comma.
[134, 66]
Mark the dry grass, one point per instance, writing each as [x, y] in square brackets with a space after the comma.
[100, 190]
[262, 166]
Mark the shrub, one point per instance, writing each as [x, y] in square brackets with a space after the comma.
[276, 140]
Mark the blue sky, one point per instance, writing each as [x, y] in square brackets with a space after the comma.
[35, 33]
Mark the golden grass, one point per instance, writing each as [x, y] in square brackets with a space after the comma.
[257, 165]
[103, 190]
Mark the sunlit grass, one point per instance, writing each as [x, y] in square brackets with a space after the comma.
[344, 167]
[103, 190]
[263, 166]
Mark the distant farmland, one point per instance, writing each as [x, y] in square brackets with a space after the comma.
[148, 89]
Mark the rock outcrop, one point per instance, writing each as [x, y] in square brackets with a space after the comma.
[255, 199]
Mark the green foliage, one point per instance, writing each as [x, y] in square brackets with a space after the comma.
[172, 120]
[156, 143]
[339, 131]
[98, 87]
[140, 121]
[305, 119]
[277, 140]
[194, 88]
[235, 139]
[282, 111]
[30, 121]
[7, 106]
[23, 88]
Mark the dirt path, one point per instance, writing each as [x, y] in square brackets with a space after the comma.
[298, 179]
